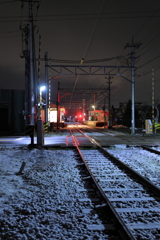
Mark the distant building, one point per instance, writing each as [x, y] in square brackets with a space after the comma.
[11, 111]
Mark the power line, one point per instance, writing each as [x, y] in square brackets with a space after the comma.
[148, 62]
[147, 22]
[8, 1]
[86, 14]
[120, 58]
[9, 32]
[11, 36]
[68, 19]
[150, 47]
[88, 46]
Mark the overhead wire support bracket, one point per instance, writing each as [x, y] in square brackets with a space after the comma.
[86, 70]
[124, 77]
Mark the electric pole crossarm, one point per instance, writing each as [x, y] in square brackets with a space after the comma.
[124, 78]
[58, 72]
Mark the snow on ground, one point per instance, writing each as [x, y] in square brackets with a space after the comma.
[43, 203]
[144, 162]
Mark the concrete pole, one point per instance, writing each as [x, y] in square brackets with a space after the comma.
[133, 46]
[47, 87]
[83, 110]
[133, 91]
[32, 90]
[109, 103]
[153, 105]
[58, 107]
[26, 30]
[104, 111]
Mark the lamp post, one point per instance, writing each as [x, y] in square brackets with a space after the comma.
[93, 112]
[40, 132]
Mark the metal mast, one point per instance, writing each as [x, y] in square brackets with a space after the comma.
[47, 86]
[109, 102]
[133, 46]
[32, 74]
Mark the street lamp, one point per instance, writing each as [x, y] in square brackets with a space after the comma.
[41, 89]
[94, 112]
[40, 132]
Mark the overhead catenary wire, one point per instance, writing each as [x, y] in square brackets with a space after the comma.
[147, 21]
[88, 46]
[120, 58]
[148, 62]
[90, 16]
[8, 1]
[150, 35]
[92, 33]
[25, 18]
[153, 37]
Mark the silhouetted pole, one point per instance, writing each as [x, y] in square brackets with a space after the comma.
[32, 75]
[58, 107]
[133, 46]
[109, 102]
[47, 87]
[153, 117]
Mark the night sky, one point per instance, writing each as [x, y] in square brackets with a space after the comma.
[93, 29]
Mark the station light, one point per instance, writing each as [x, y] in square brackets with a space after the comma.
[42, 88]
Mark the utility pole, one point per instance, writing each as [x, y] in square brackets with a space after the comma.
[104, 110]
[109, 102]
[25, 54]
[30, 73]
[47, 86]
[133, 46]
[83, 110]
[153, 115]
[58, 107]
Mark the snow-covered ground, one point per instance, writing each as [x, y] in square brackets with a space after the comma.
[44, 202]
[144, 162]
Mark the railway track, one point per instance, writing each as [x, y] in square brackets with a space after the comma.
[133, 201]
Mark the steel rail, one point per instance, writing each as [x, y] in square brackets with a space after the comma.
[138, 176]
[150, 149]
[120, 225]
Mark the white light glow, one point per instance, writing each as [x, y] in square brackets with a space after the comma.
[42, 88]
[53, 116]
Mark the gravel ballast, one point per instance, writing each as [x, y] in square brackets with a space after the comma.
[45, 202]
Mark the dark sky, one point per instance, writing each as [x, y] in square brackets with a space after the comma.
[94, 29]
